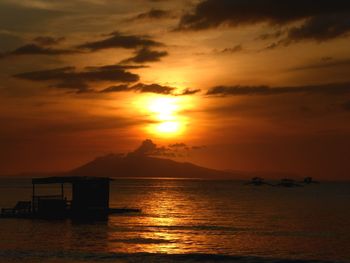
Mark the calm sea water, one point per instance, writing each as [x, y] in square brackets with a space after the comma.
[189, 221]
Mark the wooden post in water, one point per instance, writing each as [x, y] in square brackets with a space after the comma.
[62, 193]
[33, 198]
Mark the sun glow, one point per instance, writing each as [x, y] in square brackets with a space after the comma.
[164, 108]
[165, 113]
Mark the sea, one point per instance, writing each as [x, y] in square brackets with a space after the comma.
[188, 220]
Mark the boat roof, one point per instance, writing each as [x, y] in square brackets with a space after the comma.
[68, 179]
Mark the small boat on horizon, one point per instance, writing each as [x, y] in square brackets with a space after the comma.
[310, 180]
[257, 181]
[286, 182]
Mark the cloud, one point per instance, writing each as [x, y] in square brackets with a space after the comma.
[146, 148]
[154, 14]
[321, 28]
[142, 88]
[326, 62]
[149, 148]
[152, 88]
[48, 40]
[319, 22]
[328, 89]
[235, 49]
[116, 67]
[213, 13]
[187, 91]
[178, 145]
[146, 55]
[119, 40]
[119, 88]
[34, 49]
[149, 88]
[70, 78]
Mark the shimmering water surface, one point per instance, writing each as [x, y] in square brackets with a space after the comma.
[206, 220]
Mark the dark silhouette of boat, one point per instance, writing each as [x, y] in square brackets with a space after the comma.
[310, 180]
[90, 200]
[288, 183]
[257, 181]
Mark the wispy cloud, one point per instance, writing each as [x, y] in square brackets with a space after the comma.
[328, 89]
[70, 78]
[319, 22]
[119, 40]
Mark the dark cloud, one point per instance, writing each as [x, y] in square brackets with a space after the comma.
[149, 148]
[154, 14]
[117, 67]
[146, 147]
[178, 145]
[188, 92]
[70, 78]
[119, 88]
[213, 13]
[321, 28]
[34, 49]
[149, 88]
[152, 88]
[326, 62]
[329, 89]
[235, 49]
[79, 85]
[142, 88]
[322, 21]
[119, 40]
[146, 55]
[272, 35]
[48, 40]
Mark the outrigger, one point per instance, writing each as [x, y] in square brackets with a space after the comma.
[90, 200]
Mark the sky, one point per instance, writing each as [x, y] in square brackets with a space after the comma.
[258, 85]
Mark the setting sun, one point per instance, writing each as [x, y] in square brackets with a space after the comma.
[164, 108]
[166, 113]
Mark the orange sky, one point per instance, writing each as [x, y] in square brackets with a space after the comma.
[263, 86]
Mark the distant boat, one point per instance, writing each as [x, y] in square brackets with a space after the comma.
[288, 183]
[257, 181]
[309, 180]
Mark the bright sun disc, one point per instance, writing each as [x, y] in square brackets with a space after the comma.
[164, 108]
[165, 112]
[168, 127]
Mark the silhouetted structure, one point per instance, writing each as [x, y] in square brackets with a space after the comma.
[90, 200]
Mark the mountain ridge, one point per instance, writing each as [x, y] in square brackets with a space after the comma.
[132, 165]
